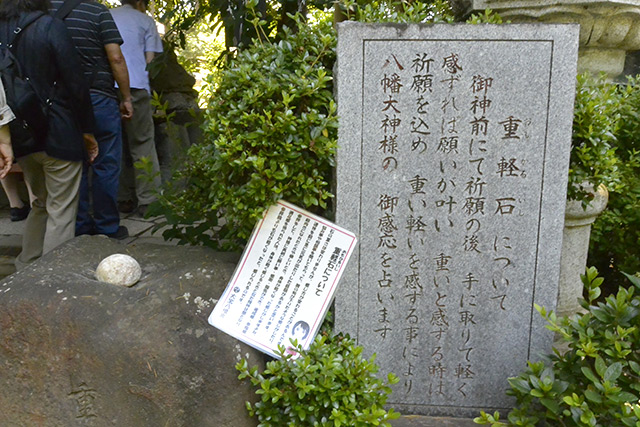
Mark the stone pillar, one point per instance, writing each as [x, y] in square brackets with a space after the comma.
[608, 29]
[575, 247]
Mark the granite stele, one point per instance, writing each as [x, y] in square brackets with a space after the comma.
[452, 171]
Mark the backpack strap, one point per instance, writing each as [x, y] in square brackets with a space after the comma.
[66, 9]
[13, 43]
[62, 13]
[28, 20]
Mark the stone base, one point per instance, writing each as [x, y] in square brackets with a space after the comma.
[422, 421]
[75, 351]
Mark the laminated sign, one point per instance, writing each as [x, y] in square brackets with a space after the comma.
[285, 281]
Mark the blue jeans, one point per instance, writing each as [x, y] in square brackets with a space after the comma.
[100, 190]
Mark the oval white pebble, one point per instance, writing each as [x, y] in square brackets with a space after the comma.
[119, 269]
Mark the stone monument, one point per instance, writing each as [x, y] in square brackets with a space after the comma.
[452, 171]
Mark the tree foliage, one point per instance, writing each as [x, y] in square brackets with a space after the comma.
[232, 17]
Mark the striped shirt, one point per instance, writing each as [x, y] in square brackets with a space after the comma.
[92, 27]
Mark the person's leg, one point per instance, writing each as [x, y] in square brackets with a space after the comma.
[36, 224]
[140, 134]
[106, 167]
[84, 220]
[17, 171]
[127, 188]
[10, 186]
[18, 210]
[62, 180]
[32, 197]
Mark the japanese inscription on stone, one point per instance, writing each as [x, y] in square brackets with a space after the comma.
[285, 281]
[452, 167]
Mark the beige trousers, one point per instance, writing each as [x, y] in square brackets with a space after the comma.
[141, 143]
[52, 219]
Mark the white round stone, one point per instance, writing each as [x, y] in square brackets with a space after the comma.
[119, 269]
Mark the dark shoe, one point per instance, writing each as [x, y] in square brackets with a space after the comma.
[121, 233]
[18, 214]
[126, 206]
[142, 210]
[87, 232]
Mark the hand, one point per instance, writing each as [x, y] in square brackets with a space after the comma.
[126, 109]
[91, 145]
[6, 151]
[5, 164]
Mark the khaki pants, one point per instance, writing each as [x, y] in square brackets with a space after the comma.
[52, 219]
[141, 143]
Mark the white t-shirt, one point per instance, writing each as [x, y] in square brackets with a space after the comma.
[140, 35]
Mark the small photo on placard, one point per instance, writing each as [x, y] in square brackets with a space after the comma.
[285, 281]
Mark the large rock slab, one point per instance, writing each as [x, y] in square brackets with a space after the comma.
[75, 351]
[452, 168]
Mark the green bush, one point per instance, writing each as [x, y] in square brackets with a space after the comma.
[270, 133]
[330, 384]
[597, 381]
[596, 122]
[615, 238]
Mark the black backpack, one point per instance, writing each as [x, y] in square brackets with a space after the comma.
[31, 110]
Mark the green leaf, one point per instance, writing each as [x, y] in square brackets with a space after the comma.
[633, 279]
[613, 372]
[536, 393]
[589, 373]
[520, 384]
[551, 405]
[593, 396]
[600, 366]
[628, 397]
[600, 314]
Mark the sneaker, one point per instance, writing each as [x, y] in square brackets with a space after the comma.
[126, 206]
[18, 214]
[120, 233]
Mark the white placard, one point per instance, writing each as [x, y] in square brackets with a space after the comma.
[285, 281]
